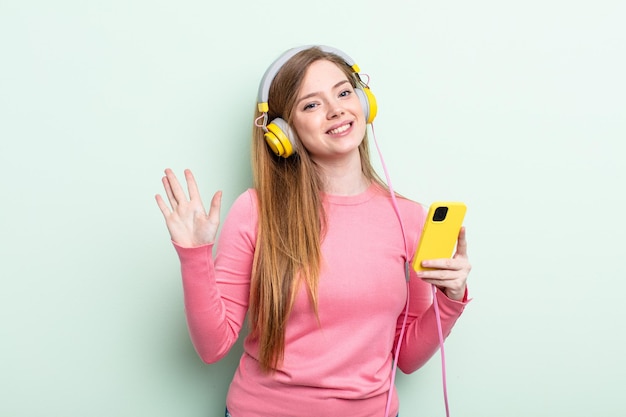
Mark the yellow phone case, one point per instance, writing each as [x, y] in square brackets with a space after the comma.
[440, 232]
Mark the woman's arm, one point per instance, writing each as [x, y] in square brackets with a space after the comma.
[421, 338]
[216, 291]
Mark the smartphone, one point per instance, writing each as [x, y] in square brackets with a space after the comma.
[440, 232]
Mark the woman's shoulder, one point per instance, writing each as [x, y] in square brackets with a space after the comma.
[405, 204]
[412, 209]
[245, 204]
[247, 197]
[242, 217]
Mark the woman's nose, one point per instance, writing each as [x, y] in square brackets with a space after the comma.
[335, 111]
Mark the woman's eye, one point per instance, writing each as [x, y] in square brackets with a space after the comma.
[345, 93]
[310, 106]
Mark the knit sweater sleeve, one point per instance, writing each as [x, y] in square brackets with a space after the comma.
[216, 291]
[421, 337]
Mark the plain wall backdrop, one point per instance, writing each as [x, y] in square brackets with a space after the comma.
[516, 108]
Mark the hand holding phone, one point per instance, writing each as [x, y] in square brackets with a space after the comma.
[440, 232]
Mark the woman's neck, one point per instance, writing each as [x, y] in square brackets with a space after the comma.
[344, 178]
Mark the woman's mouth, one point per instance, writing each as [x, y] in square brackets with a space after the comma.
[340, 129]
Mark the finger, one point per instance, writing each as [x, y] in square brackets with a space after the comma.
[163, 206]
[444, 280]
[461, 246]
[177, 191]
[168, 193]
[192, 186]
[444, 263]
[441, 284]
[214, 210]
[440, 274]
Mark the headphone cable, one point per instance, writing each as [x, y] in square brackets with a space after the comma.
[406, 308]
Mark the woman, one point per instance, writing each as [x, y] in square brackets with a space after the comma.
[315, 254]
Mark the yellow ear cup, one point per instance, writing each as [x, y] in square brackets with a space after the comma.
[373, 107]
[277, 140]
[368, 102]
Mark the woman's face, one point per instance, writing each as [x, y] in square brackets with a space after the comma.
[328, 116]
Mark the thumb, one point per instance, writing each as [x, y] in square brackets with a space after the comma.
[214, 210]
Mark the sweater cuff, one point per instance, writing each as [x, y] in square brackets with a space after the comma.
[190, 254]
[452, 306]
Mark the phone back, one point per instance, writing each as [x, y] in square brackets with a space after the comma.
[440, 232]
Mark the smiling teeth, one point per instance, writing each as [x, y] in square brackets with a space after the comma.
[339, 129]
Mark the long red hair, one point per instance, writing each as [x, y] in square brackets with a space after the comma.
[291, 217]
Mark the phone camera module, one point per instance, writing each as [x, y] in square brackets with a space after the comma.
[440, 214]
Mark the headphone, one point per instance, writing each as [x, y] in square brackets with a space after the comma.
[278, 134]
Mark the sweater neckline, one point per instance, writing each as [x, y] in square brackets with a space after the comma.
[350, 200]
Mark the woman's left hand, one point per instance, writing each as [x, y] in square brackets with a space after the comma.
[450, 274]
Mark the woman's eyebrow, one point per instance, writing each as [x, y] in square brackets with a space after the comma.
[339, 84]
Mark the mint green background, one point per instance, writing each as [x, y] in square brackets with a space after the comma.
[516, 108]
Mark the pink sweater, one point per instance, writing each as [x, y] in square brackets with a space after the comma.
[341, 365]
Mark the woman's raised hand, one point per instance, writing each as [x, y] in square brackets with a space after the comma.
[186, 219]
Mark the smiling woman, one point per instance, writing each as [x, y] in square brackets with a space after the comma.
[330, 122]
[316, 254]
